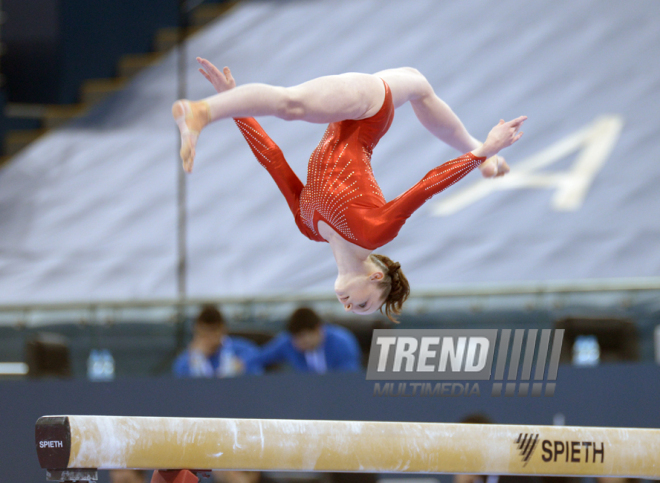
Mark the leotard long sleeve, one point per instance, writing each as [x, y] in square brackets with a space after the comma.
[341, 189]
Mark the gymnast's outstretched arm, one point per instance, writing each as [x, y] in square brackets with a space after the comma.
[503, 135]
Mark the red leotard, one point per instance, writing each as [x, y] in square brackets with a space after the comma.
[341, 189]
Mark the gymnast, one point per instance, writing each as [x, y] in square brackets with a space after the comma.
[342, 204]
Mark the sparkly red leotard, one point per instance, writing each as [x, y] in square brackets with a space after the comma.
[341, 189]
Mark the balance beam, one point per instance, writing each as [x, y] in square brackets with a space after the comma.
[110, 442]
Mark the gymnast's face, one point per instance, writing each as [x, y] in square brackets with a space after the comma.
[360, 294]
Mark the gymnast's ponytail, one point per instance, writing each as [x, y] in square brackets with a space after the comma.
[395, 286]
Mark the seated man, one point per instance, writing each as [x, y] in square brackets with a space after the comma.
[312, 346]
[212, 353]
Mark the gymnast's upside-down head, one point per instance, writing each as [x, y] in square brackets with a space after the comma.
[384, 287]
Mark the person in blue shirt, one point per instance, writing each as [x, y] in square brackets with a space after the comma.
[212, 353]
[309, 345]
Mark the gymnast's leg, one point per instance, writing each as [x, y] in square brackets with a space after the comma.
[409, 85]
[322, 100]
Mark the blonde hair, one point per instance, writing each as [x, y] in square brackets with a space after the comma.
[394, 284]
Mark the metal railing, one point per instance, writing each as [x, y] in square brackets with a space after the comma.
[268, 308]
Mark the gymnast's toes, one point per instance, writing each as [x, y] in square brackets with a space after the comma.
[187, 156]
[489, 167]
[188, 165]
[502, 167]
[494, 167]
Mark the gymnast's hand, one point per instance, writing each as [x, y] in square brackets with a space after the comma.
[503, 135]
[221, 80]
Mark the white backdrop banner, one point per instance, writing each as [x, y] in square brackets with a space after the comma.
[89, 211]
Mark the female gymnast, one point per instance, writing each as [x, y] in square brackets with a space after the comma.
[341, 203]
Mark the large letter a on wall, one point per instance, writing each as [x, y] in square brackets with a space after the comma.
[594, 143]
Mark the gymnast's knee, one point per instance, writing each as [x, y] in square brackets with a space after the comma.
[291, 106]
[420, 80]
[410, 71]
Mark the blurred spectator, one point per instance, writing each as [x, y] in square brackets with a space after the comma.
[212, 353]
[309, 345]
[127, 476]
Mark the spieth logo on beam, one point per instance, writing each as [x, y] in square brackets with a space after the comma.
[51, 444]
[463, 355]
[526, 445]
[552, 451]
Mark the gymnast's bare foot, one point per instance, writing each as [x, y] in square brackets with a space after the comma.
[494, 167]
[191, 117]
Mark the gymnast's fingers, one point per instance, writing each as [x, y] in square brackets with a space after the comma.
[203, 72]
[203, 62]
[209, 67]
[212, 68]
[517, 121]
[228, 75]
